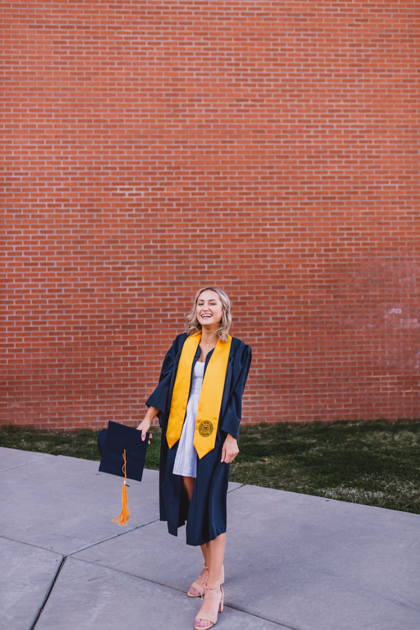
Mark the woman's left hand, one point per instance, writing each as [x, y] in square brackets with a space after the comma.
[230, 449]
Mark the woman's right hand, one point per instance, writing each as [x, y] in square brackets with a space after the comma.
[144, 426]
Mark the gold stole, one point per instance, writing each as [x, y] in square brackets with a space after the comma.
[210, 397]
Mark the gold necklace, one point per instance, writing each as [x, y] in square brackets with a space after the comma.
[211, 343]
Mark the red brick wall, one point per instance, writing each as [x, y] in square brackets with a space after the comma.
[270, 148]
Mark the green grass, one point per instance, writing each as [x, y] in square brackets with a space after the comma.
[374, 463]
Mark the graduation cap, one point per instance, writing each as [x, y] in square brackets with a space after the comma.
[123, 453]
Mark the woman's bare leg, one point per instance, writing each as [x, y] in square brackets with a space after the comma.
[215, 553]
[205, 553]
[189, 485]
[215, 556]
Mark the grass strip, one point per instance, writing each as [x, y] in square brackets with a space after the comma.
[373, 463]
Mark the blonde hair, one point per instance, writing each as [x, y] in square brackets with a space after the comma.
[193, 325]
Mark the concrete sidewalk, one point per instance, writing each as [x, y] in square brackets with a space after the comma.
[292, 561]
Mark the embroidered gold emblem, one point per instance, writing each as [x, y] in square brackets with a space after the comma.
[205, 428]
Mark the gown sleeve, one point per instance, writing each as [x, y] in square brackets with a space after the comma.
[233, 414]
[159, 398]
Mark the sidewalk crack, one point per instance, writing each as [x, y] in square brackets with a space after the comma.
[238, 488]
[31, 461]
[180, 590]
[57, 573]
[99, 542]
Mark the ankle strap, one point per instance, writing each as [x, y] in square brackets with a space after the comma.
[217, 587]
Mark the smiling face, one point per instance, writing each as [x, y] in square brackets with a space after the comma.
[209, 308]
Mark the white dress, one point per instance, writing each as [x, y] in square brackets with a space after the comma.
[186, 456]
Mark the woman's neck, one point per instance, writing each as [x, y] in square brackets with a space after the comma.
[209, 336]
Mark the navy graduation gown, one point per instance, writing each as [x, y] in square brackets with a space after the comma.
[205, 514]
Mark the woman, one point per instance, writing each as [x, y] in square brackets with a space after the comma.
[199, 402]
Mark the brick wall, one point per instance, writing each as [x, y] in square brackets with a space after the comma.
[269, 148]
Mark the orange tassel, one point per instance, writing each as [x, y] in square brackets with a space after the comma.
[124, 517]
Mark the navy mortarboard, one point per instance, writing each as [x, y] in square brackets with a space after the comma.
[123, 453]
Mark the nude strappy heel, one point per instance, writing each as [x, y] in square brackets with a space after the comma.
[199, 586]
[207, 616]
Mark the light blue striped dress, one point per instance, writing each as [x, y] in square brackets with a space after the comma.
[186, 456]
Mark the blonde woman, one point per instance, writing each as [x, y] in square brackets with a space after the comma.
[198, 402]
